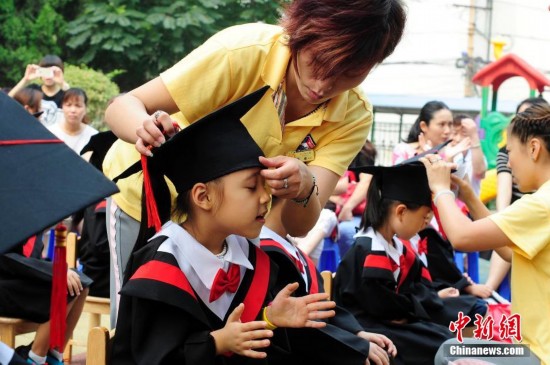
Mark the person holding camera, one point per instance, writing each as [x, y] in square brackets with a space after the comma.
[50, 71]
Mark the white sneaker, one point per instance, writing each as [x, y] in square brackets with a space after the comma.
[327, 221]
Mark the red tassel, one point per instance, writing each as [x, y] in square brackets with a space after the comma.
[58, 307]
[150, 202]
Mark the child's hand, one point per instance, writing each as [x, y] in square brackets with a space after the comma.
[74, 286]
[448, 292]
[242, 338]
[287, 311]
[479, 290]
[381, 340]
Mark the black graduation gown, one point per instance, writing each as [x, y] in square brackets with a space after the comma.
[163, 321]
[444, 273]
[364, 284]
[337, 343]
[26, 282]
[93, 249]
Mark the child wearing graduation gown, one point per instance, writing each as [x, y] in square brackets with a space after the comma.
[343, 340]
[200, 292]
[26, 286]
[379, 280]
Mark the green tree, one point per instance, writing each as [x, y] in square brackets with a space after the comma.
[29, 30]
[143, 38]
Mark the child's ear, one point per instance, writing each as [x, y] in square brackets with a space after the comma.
[200, 195]
[400, 210]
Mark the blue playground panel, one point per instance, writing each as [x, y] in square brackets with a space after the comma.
[330, 257]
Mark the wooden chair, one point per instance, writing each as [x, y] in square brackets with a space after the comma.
[11, 327]
[99, 346]
[327, 282]
[94, 306]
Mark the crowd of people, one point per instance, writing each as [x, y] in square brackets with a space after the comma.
[236, 164]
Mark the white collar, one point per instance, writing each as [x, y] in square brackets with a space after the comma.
[205, 264]
[289, 247]
[379, 243]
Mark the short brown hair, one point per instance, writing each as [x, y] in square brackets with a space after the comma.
[346, 36]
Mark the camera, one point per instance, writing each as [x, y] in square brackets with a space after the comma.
[46, 72]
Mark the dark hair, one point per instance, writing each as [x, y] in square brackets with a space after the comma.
[457, 119]
[29, 97]
[346, 35]
[426, 114]
[377, 210]
[75, 92]
[51, 60]
[533, 122]
[366, 156]
[531, 101]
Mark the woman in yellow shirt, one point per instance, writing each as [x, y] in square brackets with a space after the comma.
[520, 232]
[310, 124]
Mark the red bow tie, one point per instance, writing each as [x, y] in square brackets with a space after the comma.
[225, 281]
[423, 246]
[394, 265]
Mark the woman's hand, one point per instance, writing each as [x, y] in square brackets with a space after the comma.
[242, 338]
[31, 73]
[460, 147]
[153, 131]
[479, 290]
[380, 340]
[449, 292]
[346, 214]
[438, 171]
[287, 177]
[287, 311]
[423, 144]
[74, 286]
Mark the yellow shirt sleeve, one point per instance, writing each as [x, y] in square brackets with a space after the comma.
[527, 222]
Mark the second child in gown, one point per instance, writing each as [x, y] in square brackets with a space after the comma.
[379, 280]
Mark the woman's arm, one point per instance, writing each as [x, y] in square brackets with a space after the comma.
[356, 198]
[130, 116]
[465, 235]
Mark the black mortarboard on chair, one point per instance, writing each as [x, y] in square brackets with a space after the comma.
[214, 146]
[43, 181]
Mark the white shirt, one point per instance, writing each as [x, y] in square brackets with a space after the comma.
[200, 266]
[75, 142]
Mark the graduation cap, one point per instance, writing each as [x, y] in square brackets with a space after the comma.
[43, 180]
[431, 151]
[405, 182]
[214, 146]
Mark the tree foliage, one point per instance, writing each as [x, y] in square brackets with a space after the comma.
[30, 29]
[145, 37]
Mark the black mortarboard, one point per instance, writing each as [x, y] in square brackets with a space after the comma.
[99, 144]
[42, 180]
[214, 146]
[407, 183]
[433, 150]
